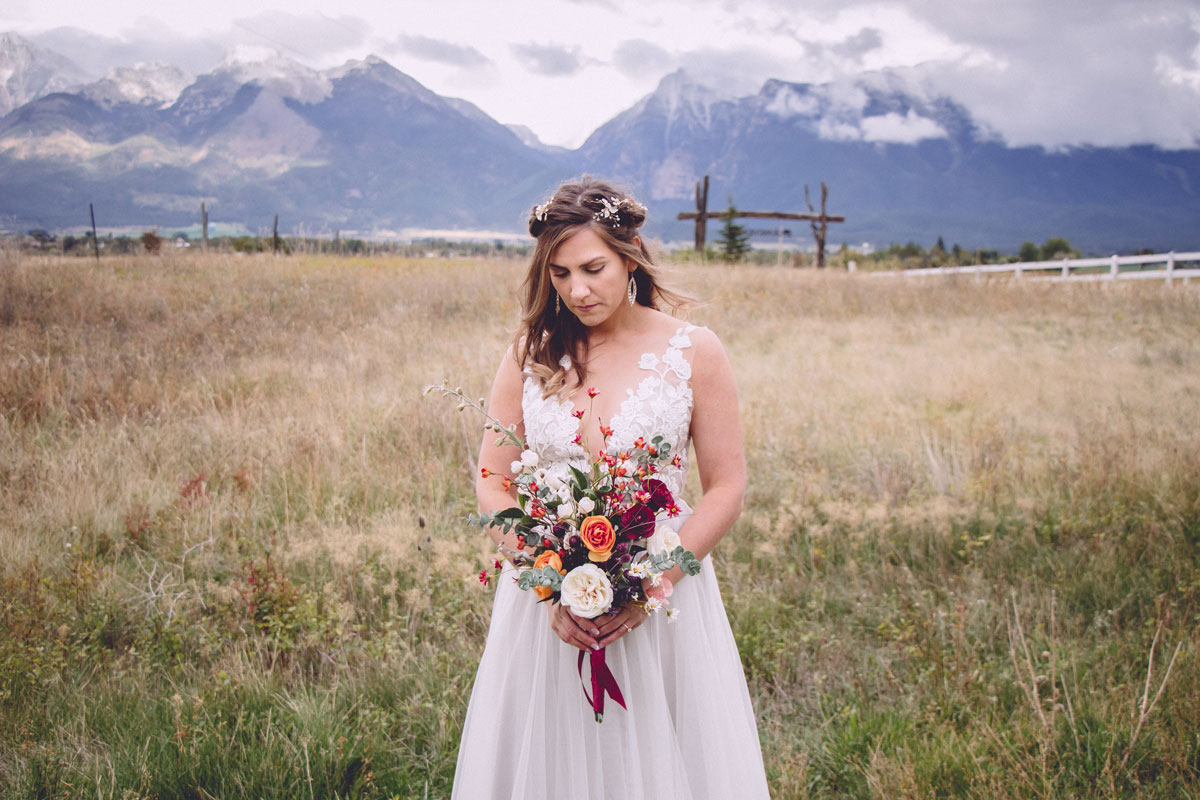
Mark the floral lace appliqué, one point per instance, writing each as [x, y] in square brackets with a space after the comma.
[661, 404]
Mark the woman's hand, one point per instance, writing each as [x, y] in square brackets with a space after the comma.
[593, 634]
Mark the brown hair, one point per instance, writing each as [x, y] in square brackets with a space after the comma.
[545, 335]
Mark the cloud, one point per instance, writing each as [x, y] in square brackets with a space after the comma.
[636, 58]
[908, 129]
[1106, 73]
[98, 54]
[856, 46]
[442, 52]
[733, 72]
[304, 36]
[548, 59]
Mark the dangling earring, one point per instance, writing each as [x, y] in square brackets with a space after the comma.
[557, 304]
[632, 293]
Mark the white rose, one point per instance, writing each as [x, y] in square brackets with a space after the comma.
[516, 467]
[565, 510]
[663, 540]
[529, 459]
[586, 505]
[555, 483]
[587, 591]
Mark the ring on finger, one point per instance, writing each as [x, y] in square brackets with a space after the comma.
[626, 627]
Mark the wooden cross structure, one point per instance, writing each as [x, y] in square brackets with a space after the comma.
[820, 222]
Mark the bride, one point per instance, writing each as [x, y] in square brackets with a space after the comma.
[592, 337]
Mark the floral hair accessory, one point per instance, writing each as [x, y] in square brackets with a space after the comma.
[610, 210]
[539, 212]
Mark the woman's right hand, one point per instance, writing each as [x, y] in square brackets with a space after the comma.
[575, 631]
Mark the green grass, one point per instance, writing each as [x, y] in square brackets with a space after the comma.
[234, 562]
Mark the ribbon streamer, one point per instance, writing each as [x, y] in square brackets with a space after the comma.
[603, 682]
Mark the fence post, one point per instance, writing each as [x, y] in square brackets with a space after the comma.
[1066, 269]
[1170, 266]
[1018, 270]
[1114, 269]
[95, 239]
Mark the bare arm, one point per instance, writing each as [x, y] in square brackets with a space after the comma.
[505, 405]
[720, 454]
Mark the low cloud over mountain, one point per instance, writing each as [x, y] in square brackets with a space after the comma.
[365, 147]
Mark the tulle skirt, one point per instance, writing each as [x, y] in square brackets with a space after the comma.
[688, 732]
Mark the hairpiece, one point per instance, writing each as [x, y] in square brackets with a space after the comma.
[539, 213]
[610, 210]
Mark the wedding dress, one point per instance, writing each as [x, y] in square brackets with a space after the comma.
[688, 730]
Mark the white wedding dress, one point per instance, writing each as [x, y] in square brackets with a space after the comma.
[688, 730]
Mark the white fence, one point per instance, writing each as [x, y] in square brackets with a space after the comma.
[1157, 266]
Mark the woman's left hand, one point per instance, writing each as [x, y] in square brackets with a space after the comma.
[617, 623]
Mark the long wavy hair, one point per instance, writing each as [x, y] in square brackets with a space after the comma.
[546, 335]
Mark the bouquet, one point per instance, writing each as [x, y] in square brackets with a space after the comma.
[591, 535]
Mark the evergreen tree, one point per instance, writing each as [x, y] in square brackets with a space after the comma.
[734, 240]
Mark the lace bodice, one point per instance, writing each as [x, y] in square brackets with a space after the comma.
[661, 404]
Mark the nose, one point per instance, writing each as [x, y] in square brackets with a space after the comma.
[579, 290]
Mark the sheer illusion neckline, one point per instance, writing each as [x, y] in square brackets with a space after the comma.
[670, 360]
[658, 403]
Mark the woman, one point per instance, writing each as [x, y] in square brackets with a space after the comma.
[590, 322]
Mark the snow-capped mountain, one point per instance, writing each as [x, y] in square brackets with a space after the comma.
[364, 146]
[156, 85]
[359, 146]
[901, 164]
[28, 72]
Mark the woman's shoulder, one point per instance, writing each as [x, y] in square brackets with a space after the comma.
[685, 334]
[664, 325]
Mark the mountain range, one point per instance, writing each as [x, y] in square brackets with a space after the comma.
[364, 147]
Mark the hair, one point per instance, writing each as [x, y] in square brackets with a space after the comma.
[544, 335]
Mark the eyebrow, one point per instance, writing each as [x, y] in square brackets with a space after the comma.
[584, 265]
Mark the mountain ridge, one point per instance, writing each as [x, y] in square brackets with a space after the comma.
[364, 146]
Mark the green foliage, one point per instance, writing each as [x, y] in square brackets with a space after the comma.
[1057, 248]
[1029, 252]
[733, 240]
[249, 244]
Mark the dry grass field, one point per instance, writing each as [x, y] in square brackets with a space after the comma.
[234, 562]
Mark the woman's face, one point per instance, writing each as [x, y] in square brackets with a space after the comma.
[591, 278]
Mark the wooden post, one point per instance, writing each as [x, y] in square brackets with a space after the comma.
[95, 239]
[820, 225]
[779, 250]
[1170, 267]
[1114, 268]
[203, 227]
[702, 216]
[1066, 268]
[275, 236]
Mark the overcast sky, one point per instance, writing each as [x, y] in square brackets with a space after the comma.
[1049, 72]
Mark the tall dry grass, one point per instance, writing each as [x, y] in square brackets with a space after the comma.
[232, 530]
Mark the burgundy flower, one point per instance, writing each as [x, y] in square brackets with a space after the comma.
[637, 522]
[660, 495]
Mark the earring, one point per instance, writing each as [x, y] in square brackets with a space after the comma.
[557, 304]
[632, 293]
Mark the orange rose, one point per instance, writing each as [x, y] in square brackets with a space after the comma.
[547, 558]
[598, 537]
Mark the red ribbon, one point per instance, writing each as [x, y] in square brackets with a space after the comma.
[603, 682]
